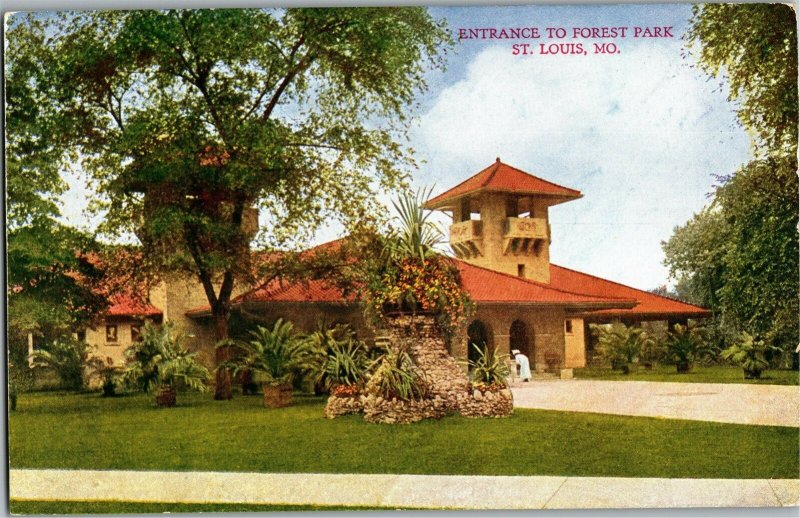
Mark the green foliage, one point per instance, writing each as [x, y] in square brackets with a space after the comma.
[687, 344]
[739, 257]
[489, 367]
[158, 360]
[343, 360]
[415, 237]
[619, 344]
[750, 353]
[67, 358]
[108, 373]
[397, 377]
[755, 47]
[408, 274]
[276, 355]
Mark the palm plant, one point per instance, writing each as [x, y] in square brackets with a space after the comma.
[107, 372]
[274, 356]
[750, 353]
[66, 357]
[397, 377]
[488, 369]
[159, 362]
[621, 345]
[686, 344]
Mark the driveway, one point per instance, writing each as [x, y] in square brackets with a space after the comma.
[721, 402]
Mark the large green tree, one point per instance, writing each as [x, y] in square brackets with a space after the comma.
[740, 255]
[49, 282]
[187, 120]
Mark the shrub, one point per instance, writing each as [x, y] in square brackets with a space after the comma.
[159, 361]
[66, 357]
[107, 372]
[489, 369]
[686, 345]
[340, 358]
[396, 377]
[750, 354]
[621, 345]
[20, 380]
[275, 355]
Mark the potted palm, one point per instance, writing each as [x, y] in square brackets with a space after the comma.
[750, 353]
[621, 345]
[686, 344]
[274, 356]
[158, 363]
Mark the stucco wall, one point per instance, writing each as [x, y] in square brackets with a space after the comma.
[96, 338]
[574, 345]
[545, 332]
[493, 217]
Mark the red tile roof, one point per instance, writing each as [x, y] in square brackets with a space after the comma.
[650, 304]
[483, 285]
[500, 177]
[127, 306]
[489, 286]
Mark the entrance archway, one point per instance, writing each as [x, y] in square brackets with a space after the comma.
[478, 334]
[519, 338]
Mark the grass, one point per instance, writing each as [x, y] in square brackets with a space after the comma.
[85, 431]
[114, 507]
[700, 374]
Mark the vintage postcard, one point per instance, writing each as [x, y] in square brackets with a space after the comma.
[373, 258]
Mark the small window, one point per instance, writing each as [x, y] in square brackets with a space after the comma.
[136, 332]
[521, 270]
[111, 333]
[568, 327]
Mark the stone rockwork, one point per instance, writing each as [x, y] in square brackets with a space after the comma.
[487, 403]
[420, 336]
[337, 406]
[397, 411]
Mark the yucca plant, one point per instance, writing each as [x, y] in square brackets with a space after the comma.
[274, 356]
[488, 369]
[416, 237]
[159, 363]
[686, 345]
[750, 353]
[345, 365]
[397, 377]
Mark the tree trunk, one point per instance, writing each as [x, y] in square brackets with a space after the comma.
[223, 379]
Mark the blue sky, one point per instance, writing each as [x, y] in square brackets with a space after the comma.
[640, 133]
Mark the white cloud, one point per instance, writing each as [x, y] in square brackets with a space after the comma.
[639, 133]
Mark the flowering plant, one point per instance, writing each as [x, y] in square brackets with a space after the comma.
[410, 275]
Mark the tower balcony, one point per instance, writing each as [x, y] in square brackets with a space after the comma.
[525, 236]
[466, 238]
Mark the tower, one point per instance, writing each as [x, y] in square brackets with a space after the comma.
[500, 220]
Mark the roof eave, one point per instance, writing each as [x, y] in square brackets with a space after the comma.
[448, 203]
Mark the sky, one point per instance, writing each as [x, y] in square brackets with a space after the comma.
[641, 133]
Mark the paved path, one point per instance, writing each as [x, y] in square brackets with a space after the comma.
[721, 402]
[400, 491]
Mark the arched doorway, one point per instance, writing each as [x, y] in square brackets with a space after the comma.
[478, 334]
[519, 338]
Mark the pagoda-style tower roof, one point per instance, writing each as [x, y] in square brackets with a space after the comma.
[503, 178]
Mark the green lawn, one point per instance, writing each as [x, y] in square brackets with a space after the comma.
[700, 374]
[111, 507]
[87, 431]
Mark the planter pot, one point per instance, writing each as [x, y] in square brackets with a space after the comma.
[684, 367]
[109, 389]
[166, 397]
[752, 374]
[648, 366]
[277, 396]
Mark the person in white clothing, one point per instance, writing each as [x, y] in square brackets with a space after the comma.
[524, 365]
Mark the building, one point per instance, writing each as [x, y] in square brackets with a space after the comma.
[501, 238]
